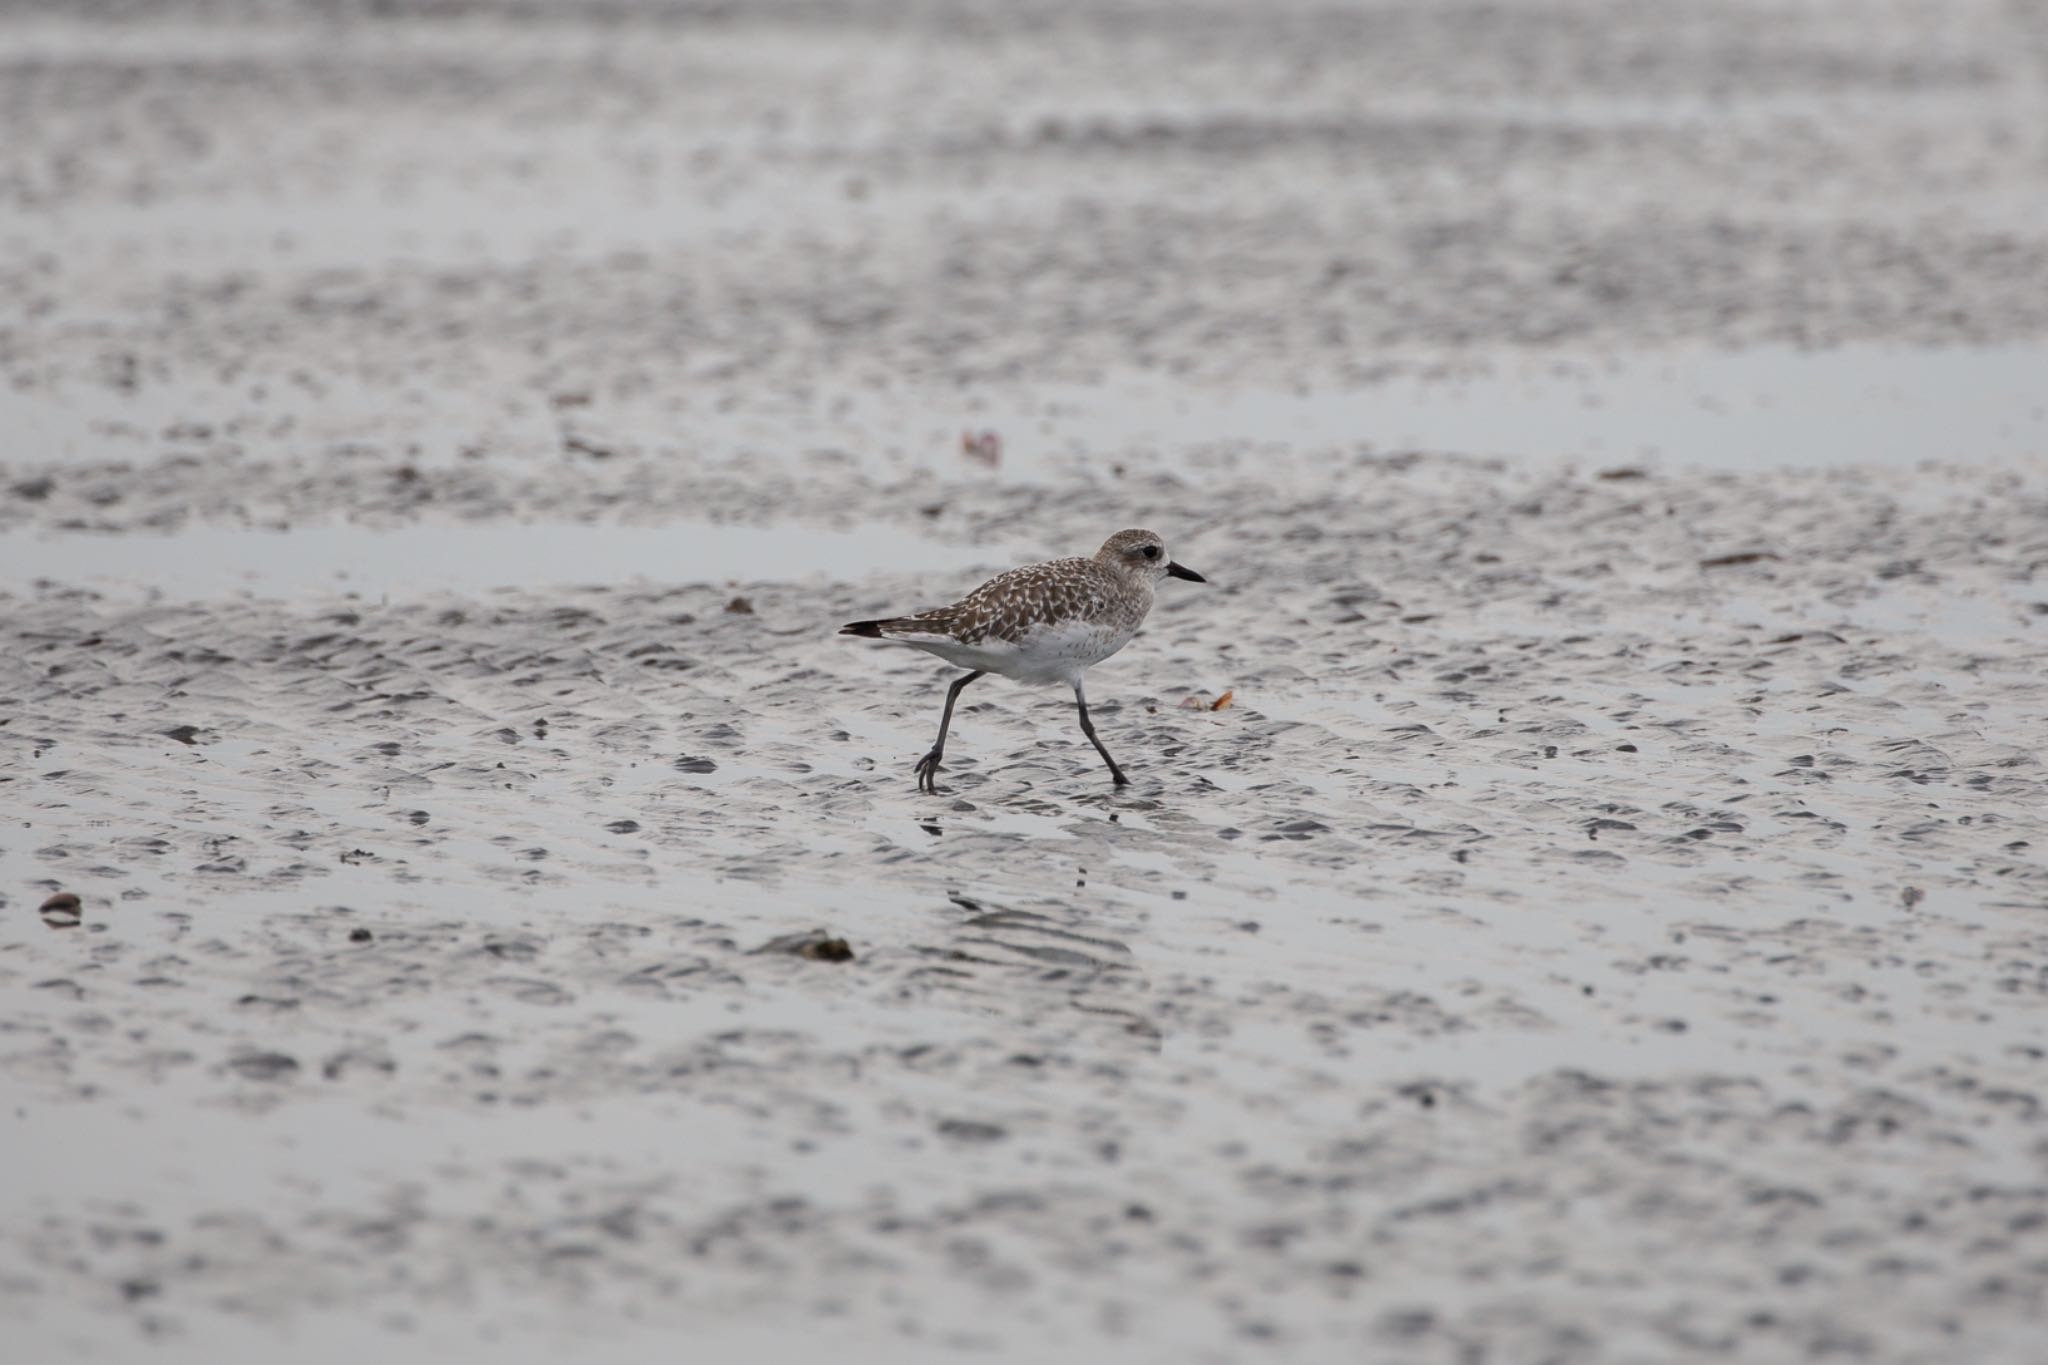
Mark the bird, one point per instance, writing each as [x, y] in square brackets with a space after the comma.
[1042, 623]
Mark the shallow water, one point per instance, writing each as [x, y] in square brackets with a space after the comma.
[314, 561]
[1753, 410]
[1757, 409]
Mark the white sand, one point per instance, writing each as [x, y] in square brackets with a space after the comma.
[1610, 924]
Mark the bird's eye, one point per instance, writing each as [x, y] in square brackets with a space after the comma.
[1151, 552]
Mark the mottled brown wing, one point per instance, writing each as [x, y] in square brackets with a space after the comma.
[1010, 604]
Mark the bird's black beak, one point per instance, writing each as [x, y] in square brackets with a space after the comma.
[1174, 570]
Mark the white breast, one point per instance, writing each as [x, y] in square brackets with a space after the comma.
[1059, 651]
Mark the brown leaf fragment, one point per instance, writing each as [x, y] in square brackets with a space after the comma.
[984, 447]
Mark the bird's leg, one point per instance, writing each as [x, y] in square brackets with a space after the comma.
[928, 766]
[1088, 729]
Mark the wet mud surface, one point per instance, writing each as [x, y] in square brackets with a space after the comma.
[1609, 922]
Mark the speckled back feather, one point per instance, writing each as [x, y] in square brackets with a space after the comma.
[1010, 605]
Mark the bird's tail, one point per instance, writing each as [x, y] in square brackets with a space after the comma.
[871, 630]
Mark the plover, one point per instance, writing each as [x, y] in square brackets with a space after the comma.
[1039, 624]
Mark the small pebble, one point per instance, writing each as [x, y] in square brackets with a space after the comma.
[62, 911]
[814, 945]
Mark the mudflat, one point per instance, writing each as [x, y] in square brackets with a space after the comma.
[1607, 922]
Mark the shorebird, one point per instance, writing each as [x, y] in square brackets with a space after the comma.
[1042, 623]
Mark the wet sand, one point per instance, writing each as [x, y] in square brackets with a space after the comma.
[1608, 924]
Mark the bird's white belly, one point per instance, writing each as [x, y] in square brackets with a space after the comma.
[1054, 652]
[1061, 651]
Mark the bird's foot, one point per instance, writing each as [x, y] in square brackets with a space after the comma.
[928, 772]
[1116, 776]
